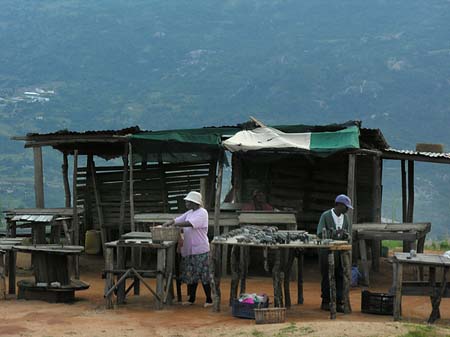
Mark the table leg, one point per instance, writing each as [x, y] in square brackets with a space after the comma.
[234, 268]
[276, 276]
[364, 262]
[121, 265]
[109, 280]
[332, 283]
[243, 265]
[347, 271]
[169, 273]
[2, 276]
[398, 279]
[300, 260]
[160, 266]
[289, 258]
[435, 314]
[215, 259]
[12, 271]
[136, 253]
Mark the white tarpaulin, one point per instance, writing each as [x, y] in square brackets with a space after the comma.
[266, 137]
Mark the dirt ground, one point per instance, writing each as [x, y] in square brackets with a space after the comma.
[88, 317]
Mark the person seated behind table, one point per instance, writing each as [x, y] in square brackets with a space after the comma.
[195, 249]
[258, 203]
[336, 225]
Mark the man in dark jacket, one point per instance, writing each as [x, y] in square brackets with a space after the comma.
[334, 224]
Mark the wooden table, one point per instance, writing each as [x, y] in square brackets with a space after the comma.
[164, 270]
[8, 265]
[409, 233]
[278, 267]
[38, 219]
[436, 291]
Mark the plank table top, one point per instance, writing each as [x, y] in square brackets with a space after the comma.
[422, 259]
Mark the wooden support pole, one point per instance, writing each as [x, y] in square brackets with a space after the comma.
[364, 262]
[131, 163]
[215, 276]
[300, 260]
[123, 190]
[218, 194]
[351, 186]
[75, 224]
[75, 219]
[160, 267]
[164, 191]
[2, 276]
[120, 265]
[376, 244]
[347, 274]
[234, 269]
[109, 265]
[404, 197]
[289, 260]
[243, 256]
[12, 272]
[98, 202]
[332, 283]
[237, 178]
[38, 177]
[408, 245]
[65, 174]
[276, 277]
[398, 278]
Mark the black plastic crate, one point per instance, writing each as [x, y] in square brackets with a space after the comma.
[377, 303]
[247, 310]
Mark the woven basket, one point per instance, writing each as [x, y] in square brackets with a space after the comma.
[160, 234]
[270, 315]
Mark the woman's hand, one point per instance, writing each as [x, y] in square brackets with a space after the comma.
[168, 223]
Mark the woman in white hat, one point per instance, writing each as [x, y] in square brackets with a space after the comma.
[194, 253]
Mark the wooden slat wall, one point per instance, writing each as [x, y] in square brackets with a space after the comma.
[309, 185]
[150, 193]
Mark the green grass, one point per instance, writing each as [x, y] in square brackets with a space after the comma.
[422, 331]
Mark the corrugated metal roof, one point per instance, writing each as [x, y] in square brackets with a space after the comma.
[391, 153]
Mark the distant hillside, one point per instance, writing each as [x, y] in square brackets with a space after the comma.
[169, 64]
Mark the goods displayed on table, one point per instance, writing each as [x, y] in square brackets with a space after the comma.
[265, 235]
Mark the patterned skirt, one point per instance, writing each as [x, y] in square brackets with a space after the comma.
[195, 268]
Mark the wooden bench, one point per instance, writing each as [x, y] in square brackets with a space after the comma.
[377, 232]
[435, 290]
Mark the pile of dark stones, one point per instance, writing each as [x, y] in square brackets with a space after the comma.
[268, 235]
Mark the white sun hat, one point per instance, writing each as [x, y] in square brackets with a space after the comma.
[194, 197]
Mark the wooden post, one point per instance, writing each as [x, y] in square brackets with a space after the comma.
[75, 220]
[404, 197]
[234, 269]
[237, 178]
[224, 253]
[435, 314]
[160, 269]
[347, 274]
[75, 224]
[364, 263]
[398, 278]
[98, 203]
[215, 276]
[300, 260]
[289, 260]
[351, 186]
[164, 191]
[376, 244]
[2, 276]
[38, 177]
[218, 194]
[332, 283]
[65, 174]
[121, 265]
[109, 267]
[211, 185]
[243, 256]
[276, 277]
[410, 214]
[123, 190]
[12, 272]
[131, 163]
